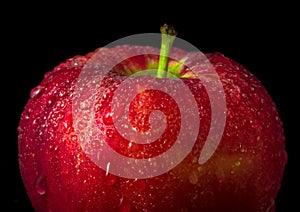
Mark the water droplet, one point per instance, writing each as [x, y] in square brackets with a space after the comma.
[74, 138]
[255, 124]
[67, 126]
[109, 133]
[50, 101]
[27, 117]
[110, 179]
[36, 92]
[107, 119]
[35, 122]
[81, 125]
[95, 144]
[62, 93]
[60, 115]
[86, 105]
[40, 184]
[62, 104]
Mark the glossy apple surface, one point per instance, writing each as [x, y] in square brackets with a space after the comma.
[243, 174]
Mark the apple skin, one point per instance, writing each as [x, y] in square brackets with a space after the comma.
[244, 173]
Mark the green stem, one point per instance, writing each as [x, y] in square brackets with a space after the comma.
[168, 35]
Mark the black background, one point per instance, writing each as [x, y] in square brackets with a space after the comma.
[39, 37]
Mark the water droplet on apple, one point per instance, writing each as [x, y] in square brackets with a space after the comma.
[40, 184]
[81, 125]
[27, 117]
[60, 115]
[74, 138]
[37, 92]
[152, 196]
[110, 179]
[95, 144]
[107, 119]
[62, 93]
[86, 105]
[35, 122]
[50, 101]
[255, 124]
[67, 126]
[62, 104]
[109, 133]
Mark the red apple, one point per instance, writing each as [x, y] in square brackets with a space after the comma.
[67, 165]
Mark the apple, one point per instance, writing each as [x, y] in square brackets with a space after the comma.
[76, 153]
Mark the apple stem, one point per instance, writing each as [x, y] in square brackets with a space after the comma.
[168, 35]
